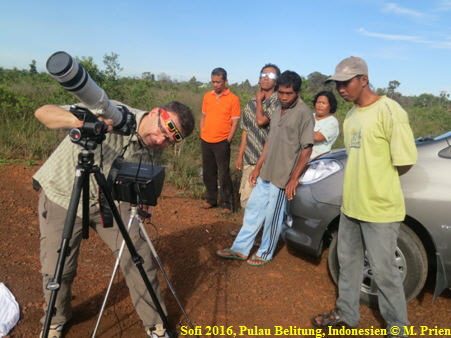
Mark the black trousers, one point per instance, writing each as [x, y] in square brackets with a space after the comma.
[216, 162]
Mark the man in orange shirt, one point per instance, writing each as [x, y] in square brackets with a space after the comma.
[218, 124]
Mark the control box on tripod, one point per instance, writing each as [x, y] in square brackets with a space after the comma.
[139, 183]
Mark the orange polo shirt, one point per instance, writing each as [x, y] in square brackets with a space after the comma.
[218, 115]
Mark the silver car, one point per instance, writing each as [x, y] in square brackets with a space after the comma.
[425, 235]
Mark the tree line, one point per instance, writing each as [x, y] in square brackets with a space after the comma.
[22, 91]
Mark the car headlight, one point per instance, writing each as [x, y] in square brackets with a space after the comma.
[319, 170]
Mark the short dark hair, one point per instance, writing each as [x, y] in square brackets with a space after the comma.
[184, 114]
[331, 97]
[219, 72]
[271, 65]
[290, 79]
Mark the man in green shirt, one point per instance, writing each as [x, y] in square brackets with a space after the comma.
[380, 147]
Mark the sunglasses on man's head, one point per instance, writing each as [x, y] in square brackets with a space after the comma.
[271, 76]
[170, 125]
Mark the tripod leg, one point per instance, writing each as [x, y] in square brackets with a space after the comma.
[160, 264]
[116, 267]
[137, 260]
[64, 251]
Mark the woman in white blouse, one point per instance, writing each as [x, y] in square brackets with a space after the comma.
[326, 126]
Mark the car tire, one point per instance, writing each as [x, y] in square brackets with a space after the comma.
[411, 258]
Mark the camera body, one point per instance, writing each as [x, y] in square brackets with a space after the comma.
[138, 183]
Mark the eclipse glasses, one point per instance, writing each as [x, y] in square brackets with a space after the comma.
[271, 76]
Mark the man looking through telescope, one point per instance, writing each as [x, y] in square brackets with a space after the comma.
[159, 128]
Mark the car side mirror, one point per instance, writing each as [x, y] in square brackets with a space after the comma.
[445, 153]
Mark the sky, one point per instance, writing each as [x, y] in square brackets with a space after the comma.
[406, 41]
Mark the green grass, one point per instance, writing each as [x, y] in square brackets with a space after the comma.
[23, 137]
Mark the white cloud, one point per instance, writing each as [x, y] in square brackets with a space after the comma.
[392, 7]
[408, 38]
[443, 5]
[393, 37]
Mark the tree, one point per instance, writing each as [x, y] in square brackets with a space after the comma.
[113, 68]
[164, 78]
[425, 101]
[444, 96]
[246, 87]
[392, 85]
[194, 83]
[33, 69]
[148, 76]
[316, 81]
[93, 70]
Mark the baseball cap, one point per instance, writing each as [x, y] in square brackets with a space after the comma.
[349, 68]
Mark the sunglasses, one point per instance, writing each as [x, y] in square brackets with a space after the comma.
[271, 76]
[170, 125]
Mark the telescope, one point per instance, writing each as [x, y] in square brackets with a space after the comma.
[75, 79]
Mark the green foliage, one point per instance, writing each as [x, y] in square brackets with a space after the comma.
[112, 66]
[30, 163]
[23, 91]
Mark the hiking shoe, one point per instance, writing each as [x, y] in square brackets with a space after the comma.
[207, 205]
[55, 331]
[226, 211]
[157, 331]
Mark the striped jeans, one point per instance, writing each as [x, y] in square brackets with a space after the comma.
[267, 204]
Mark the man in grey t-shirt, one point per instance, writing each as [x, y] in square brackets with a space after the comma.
[283, 160]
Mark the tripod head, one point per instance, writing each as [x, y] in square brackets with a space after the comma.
[92, 132]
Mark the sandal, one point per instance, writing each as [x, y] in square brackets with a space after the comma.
[227, 253]
[329, 319]
[257, 261]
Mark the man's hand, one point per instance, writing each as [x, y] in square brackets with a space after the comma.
[253, 176]
[290, 188]
[239, 163]
[260, 95]
[261, 118]
[403, 169]
[108, 122]
[299, 169]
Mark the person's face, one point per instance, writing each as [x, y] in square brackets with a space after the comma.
[287, 96]
[219, 84]
[352, 89]
[154, 131]
[265, 82]
[322, 106]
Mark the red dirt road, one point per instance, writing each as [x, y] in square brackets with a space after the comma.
[217, 294]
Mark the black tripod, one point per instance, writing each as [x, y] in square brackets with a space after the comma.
[83, 169]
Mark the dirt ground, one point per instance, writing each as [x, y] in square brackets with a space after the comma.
[216, 294]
